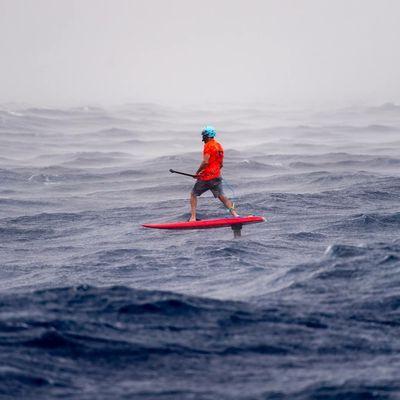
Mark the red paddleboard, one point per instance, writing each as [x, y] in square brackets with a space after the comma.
[208, 223]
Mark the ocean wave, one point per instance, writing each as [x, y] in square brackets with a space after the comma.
[369, 164]
[44, 218]
[315, 287]
[10, 176]
[23, 203]
[307, 236]
[113, 132]
[117, 329]
[344, 251]
[57, 175]
[10, 234]
[368, 222]
[254, 166]
[97, 158]
[349, 389]
[386, 107]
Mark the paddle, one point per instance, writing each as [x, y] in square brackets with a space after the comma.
[181, 173]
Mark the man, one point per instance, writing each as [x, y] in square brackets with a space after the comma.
[209, 173]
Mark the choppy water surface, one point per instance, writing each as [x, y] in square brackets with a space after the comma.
[305, 306]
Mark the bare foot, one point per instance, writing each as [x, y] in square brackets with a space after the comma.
[192, 219]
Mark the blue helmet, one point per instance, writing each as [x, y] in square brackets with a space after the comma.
[208, 131]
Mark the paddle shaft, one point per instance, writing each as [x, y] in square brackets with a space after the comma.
[181, 173]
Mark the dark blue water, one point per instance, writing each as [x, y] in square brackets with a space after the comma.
[304, 306]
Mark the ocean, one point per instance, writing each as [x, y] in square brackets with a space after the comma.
[303, 306]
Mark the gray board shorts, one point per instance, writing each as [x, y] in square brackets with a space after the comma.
[215, 185]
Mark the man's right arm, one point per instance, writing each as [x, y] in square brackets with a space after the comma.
[204, 163]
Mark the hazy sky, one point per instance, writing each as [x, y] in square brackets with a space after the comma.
[64, 52]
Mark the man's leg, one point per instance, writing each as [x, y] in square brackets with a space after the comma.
[193, 206]
[228, 204]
